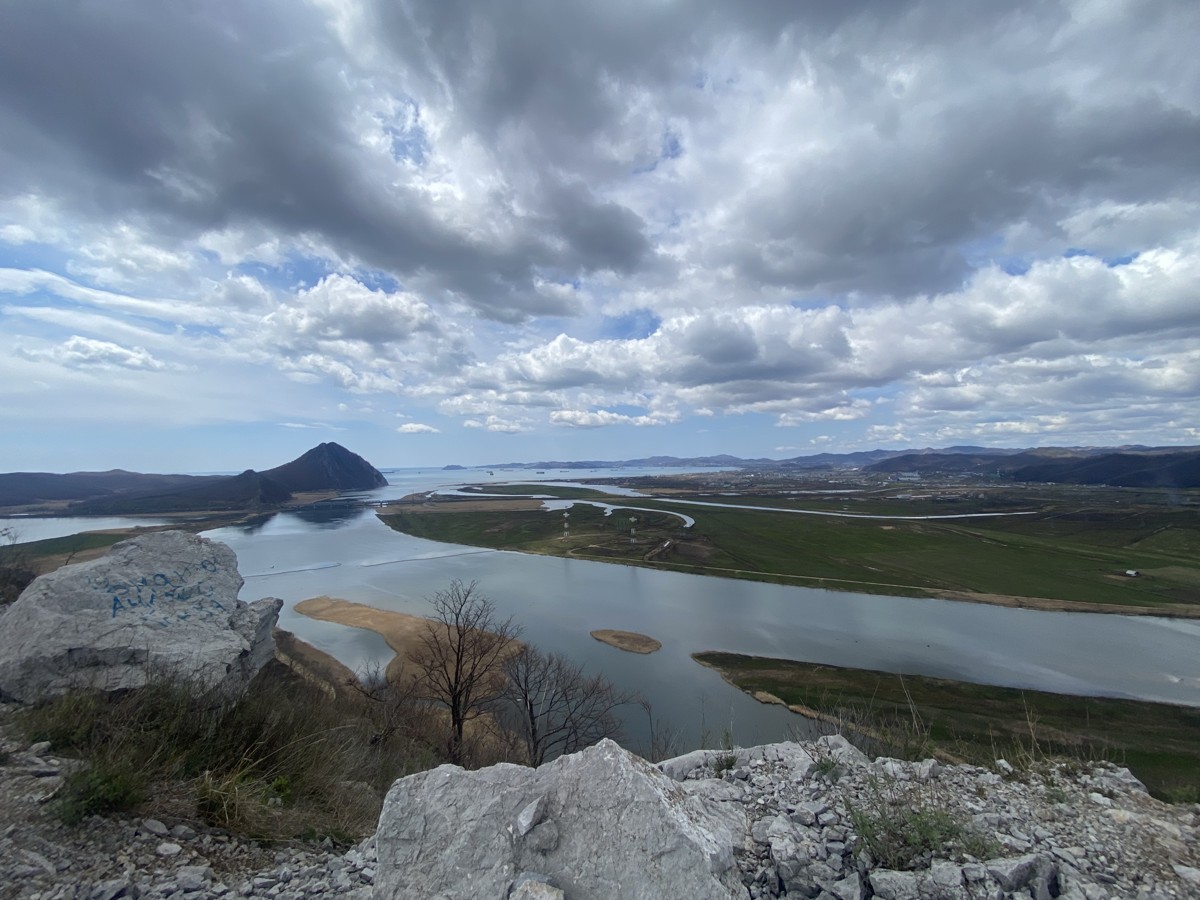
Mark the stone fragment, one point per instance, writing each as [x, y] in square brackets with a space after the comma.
[1189, 874]
[112, 889]
[892, 885]
[163, 603]
[849, 888]
[449, 832]
[530, 816]
[1013, 872]
[193, 878]
[168, 848]
[536, 890]
[543, 838]
[842, 751]
[155, 827]
[535, 886]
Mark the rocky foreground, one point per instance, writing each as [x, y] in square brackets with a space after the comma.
[814, 820]
[772, 821]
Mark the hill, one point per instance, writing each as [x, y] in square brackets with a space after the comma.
[26, 488]
[327, 467]
[248, 491]
[1148, 467]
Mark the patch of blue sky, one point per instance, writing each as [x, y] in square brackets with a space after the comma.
[670, 148]
[33, 256]
[296, 270]
[1112, 262]
[640, 323]
[989, 251]
[408, 144]
[817, 301]
[378, 280]
[200, 330]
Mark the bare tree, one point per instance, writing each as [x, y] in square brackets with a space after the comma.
[460, 658]
[554, 707]
[664, 739]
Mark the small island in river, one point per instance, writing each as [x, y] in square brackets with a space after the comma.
[627, 640]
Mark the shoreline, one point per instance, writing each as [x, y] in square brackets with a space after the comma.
[400, 631]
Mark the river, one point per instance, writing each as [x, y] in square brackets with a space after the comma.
[349, 553]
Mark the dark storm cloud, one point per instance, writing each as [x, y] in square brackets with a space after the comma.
[207, 117]
[201, 117]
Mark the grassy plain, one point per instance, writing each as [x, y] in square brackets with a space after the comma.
[916, 716]
[1070, 552]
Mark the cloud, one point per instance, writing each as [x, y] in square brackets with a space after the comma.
[876, 220]
[576, 418]
[81, 352]
[416, 428]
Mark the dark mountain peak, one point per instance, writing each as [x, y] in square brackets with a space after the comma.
[327, 467]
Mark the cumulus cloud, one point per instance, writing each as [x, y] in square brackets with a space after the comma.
[416, 428]
[578, 418]
[84, 352]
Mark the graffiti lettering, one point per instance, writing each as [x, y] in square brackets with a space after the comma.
[164, 597]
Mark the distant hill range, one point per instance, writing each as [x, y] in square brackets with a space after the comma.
[1174, 467]
[328, 467]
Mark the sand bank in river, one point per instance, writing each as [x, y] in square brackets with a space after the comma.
[401, 631]
[627, 640]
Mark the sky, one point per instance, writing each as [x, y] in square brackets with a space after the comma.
[441, 232]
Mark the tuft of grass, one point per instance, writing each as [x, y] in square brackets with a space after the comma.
[902, 828]
[827, 768]
[103, 788]
[726, 760]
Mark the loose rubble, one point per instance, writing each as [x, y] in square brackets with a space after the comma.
[1081, 833]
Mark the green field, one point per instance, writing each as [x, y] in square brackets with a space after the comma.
[1056, 554]
[977, 723]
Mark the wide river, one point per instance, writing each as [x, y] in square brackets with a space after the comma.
[352, 555]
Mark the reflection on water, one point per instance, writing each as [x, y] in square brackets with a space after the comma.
[327, 517]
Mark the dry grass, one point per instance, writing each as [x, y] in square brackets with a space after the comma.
[285, 760]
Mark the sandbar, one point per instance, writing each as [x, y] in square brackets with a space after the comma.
[627, 640]
[401, 631]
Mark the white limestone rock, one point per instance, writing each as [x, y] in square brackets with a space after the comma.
[624, 830]
[160, 603]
